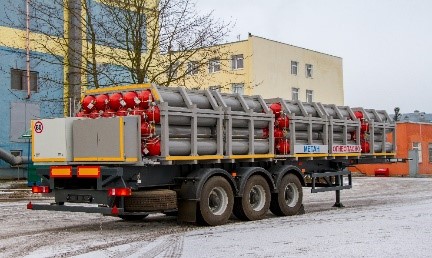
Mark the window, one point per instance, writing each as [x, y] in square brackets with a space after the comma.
[19, 80]
[216, 88]
[192, 68]
[430, 152]
[309, 71]
[172, 71]
[238, 88]
[16, 153]
[294, 65]
[309, 96]
[295, 93]
[417, 146]
[237, 62]
[214, 65]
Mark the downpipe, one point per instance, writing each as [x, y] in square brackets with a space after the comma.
[11, 159]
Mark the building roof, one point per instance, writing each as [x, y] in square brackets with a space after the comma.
[416, 116]
[250, 35]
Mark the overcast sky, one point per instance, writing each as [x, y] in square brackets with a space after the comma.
[386, 45]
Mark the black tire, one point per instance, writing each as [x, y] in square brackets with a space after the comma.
[288, 200]
[151, 200]
[133, 217]
[255, 202]
[217, 201]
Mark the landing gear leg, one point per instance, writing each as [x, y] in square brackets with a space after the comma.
[338, 203]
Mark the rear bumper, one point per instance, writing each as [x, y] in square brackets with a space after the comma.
[56, 207]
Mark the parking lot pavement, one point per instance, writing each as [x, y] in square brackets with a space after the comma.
[383, 217]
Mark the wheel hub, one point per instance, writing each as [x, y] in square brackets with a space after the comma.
[291, 195]
[257, 197]
[218, 201]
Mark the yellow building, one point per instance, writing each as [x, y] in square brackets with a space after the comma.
[259, 66]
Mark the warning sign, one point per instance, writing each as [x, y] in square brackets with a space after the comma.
[38, 127]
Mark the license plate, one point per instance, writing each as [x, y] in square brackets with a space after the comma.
[79, 198]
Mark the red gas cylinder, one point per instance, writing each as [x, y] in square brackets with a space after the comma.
[147, 129]
[82, 114]
[102, 102]
[278, 133]
[153, 114]
[88, 103]
[94, 114]
[265, 132]
[283, 147]
[276, 108]
[153, 147]
[358, 114]
[122, 112]
[109, 113]
[137, 111]
[145, 97]
[365, 147]
[131, 99]
[116, 101]
[364, 127]
[283, 122]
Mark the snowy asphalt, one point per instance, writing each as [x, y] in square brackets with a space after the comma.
[383, 217]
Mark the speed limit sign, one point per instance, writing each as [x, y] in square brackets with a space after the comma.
[38, 127]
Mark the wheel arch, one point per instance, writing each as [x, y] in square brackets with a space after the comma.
[194, 182]
[279, 171]
[244, 173]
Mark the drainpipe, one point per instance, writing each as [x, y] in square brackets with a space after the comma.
[28, 47]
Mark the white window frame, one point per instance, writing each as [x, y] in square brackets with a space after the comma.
[430, 152]
[237, 88]
[237, 62]
[173, 70]
[309, 70]
[295, 93]
[216, 88]
[294, 67]
[417, 146]
[19, 80]
[309, 96]
[192, 68]
[214, 65]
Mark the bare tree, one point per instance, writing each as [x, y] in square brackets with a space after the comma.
[125, 41]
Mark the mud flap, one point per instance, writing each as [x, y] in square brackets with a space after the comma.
[187, 210]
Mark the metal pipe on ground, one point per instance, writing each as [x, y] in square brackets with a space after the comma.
[11, 159]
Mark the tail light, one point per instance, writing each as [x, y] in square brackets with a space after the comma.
[119, 192]
[41, 189]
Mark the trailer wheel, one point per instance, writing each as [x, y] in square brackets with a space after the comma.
[133, 217]
[255, 201]
[217, 200]
[288, 200]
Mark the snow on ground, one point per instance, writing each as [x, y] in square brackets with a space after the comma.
[383, 217]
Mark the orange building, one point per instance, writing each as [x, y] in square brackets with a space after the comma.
[413, 140]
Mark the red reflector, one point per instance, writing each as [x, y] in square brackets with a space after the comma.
[29, 206]
[41, 189]
[119, 192]
[114, 210]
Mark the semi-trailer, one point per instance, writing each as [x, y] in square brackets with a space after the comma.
[201, 155]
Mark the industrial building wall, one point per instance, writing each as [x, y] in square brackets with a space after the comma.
[409, 136]
[46, 100]
[46, 96]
